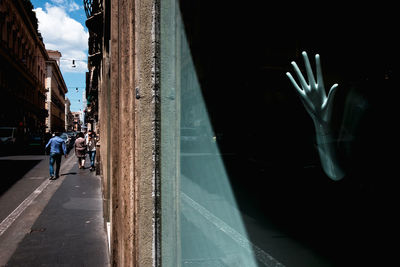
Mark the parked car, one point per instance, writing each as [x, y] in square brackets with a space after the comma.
[8, 139]
[8, 135]
[35, 144]
[72, 136]
[36, 140]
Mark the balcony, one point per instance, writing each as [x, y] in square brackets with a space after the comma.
[94, 14]
[95, 49]
[92, 7]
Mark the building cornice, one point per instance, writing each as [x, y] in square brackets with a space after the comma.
[32, 30]
[53, 62]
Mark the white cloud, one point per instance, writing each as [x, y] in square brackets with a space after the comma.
[72, 6]
[61, 32]
[58, 2]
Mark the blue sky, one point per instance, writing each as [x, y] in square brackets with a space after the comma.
[62, 25]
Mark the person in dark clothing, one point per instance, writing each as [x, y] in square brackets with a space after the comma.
[57, 149]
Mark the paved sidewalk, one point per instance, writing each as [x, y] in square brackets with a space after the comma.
[70, 229]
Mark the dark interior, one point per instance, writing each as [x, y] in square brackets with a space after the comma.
[241, 54]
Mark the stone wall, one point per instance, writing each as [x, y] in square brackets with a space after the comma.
[127, 113]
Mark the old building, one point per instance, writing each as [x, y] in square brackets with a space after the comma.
[76, 122]
[22, 70]
[95, 26]
[69, 118]
[56, 90]
[211, 156]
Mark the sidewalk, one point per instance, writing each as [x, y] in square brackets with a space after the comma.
[69, 230]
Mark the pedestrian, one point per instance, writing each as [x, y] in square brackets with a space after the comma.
[91, 146]
[86, 135]
[57, 149]
[80, 150]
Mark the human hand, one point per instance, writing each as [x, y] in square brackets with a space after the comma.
[319, 106]
[313, 94]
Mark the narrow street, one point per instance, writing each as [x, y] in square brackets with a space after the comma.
[50, 223]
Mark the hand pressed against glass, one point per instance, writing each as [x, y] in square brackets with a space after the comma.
[319, 106]
[313, 94]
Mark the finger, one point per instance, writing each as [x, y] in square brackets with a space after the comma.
[299, 90]
[331, 96]
[310, 74]
[320, 80]
[332, 91]
[303, 82]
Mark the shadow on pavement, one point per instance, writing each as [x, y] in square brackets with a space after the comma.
[68, 173]
[13, 170]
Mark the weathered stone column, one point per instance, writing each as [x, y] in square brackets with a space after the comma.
[131, 140]
[147, 126]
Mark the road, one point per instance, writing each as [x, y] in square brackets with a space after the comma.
[25, 192]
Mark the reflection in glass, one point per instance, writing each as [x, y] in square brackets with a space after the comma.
[244, 178]
[319, 107]
[201, 221]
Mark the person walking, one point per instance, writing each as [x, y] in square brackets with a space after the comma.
[57, 149]
[87, 133]
[91, 146]
[80, 150]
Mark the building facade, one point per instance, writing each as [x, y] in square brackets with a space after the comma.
[22, 70]
[94, 24]
[69, 118]
[77, 123]
[57, 89]
[209, 158]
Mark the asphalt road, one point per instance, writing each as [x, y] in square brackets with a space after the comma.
[15, 184]
[21, 176]
[50, 222]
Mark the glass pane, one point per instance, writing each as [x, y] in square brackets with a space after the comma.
[264, 164]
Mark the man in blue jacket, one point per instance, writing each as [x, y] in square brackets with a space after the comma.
[57, 149]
